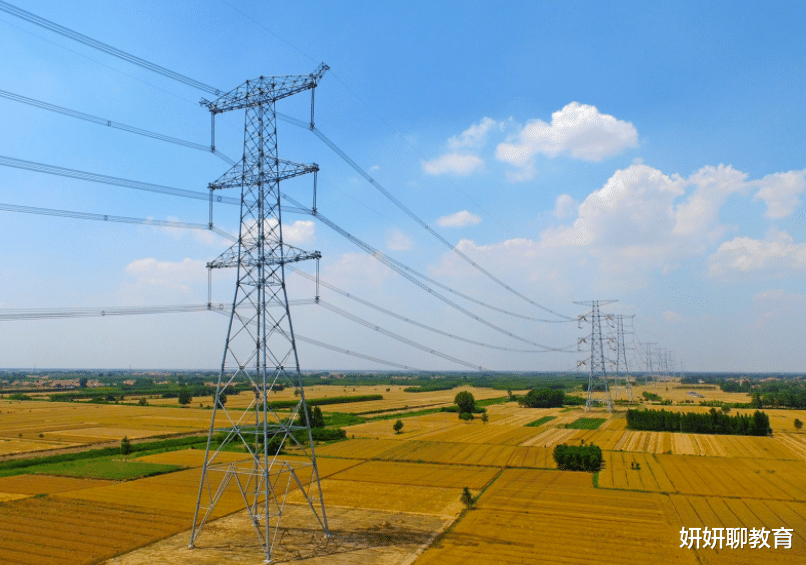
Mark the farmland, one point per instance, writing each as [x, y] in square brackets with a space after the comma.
[389, 495]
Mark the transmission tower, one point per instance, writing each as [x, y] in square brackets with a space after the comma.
[650, 368]
[260, 349]
[598, 372]
[619, 347]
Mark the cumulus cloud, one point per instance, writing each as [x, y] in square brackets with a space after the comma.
[780, 191]
[299, 232]
[459, 161]
[396, 240]
[459, 164]
[578, 130]
[459, 220]
[475, 136]
[777, 255]
[640, 224]
[564, 205]
[168, 274]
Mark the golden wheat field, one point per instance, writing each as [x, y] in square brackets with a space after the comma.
[652, 484]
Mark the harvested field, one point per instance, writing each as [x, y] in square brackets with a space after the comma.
[389, 497]
[368, 537]
[699, 512]
[38, 484]
[419, 474]
[79, 532]
[564, 508]
[735, 477]
[536, 457]
[479, 432]
[357, 448]
[549, 438]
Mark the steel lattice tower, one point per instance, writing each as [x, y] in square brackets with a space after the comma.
[260, 347]
[621, 354]
[598, 372]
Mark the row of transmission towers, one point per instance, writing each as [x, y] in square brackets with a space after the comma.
[607, 345]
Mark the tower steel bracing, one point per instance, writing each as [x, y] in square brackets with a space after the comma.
[598, 370]
[260, 348]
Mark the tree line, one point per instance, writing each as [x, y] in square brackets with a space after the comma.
[712, 422]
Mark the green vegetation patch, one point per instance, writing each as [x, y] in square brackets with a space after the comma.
[586, 423]
[103, 468]
[324, 401]
[579, 457]
[340, 419]
[541, 421]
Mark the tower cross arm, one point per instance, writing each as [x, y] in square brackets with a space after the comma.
[263, 90]
[240, 175]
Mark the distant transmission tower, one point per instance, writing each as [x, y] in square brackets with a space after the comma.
[260, 349]
[620, 349]
[598, 372]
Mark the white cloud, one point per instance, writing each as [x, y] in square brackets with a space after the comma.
[458, 164]
[459, 161]
[396, 240]
[299, 232]
[475, 136]
[672, 316]
[564, 205]
[173, 275]
[578, 130]
[459, 220]
[700, 213]
[634, 207]
[780, 192]
[778, 255]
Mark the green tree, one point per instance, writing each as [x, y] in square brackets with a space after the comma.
[142, 402]
[798, 424]
[467, 498]
[485, 418]
[398, 426]
[465, 401]
[125, 447]
[222, 398]
[82, 382]
[318, 419]
[185, 396]
[756, 402]
[466, 416]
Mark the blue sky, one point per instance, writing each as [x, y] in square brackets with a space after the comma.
[645, 152]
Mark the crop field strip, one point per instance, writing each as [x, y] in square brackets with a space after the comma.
[78, 532]
[419, 474]
[565, 509]
[478, 432]
[586, 423]
[701, 511]
[435, 501]
[46, 484]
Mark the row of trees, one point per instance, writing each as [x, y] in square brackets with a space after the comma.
[578, 457]
[543, 398]
[712, 422]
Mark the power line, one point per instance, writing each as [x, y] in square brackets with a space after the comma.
[408, 320]
[110, 123]
[81, 38]
[105, 179]
[400, 338]
[383, 258]
[8, 314]
[27, 16]
[412, 215]
[109, 218]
